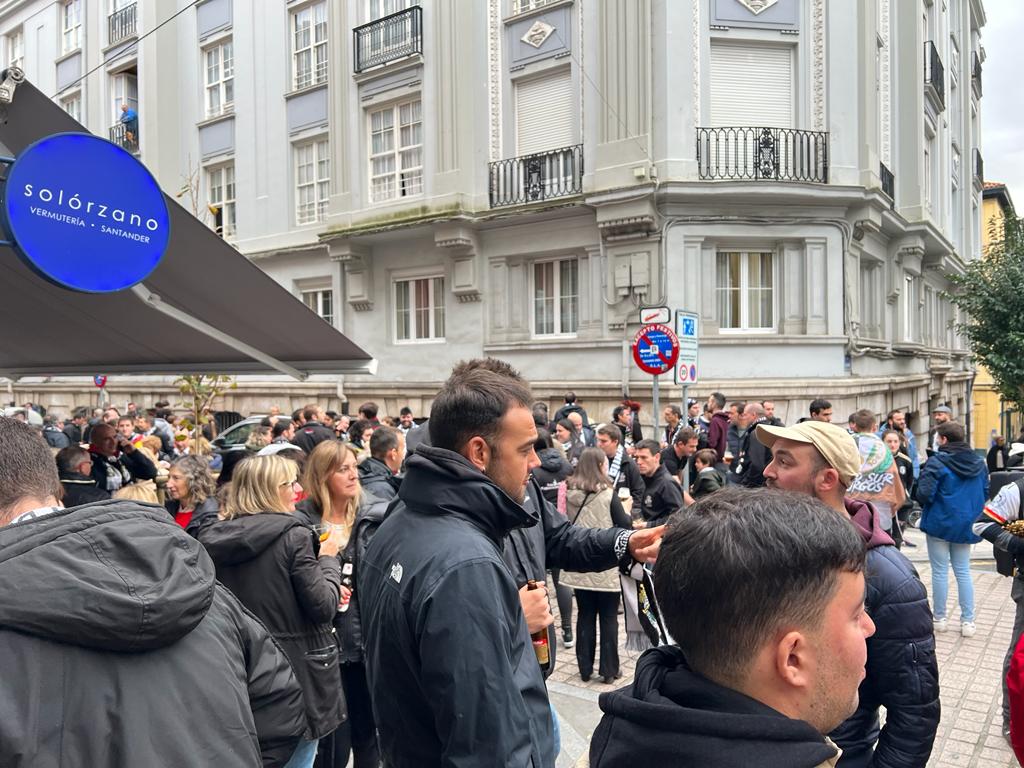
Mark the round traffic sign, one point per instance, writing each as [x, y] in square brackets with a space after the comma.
[655, 349]
[100, 381]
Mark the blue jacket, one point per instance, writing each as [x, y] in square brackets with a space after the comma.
[952, 492]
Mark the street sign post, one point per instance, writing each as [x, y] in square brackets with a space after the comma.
[655, 351]
[686, 369]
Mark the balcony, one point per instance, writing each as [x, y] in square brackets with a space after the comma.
[762, 154]
[976, 73]
[121, 25]
[979, 170]
[934, 75]
[388, 39]
[120, 135]
[888, 181]
[537, 177]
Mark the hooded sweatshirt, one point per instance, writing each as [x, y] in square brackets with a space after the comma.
[718, 432]
[112, 621]
[553, 469]
[672, 716]
[952, 492]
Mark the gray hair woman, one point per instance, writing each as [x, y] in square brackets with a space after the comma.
[191, 493]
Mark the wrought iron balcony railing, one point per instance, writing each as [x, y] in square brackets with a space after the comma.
[888, 181]
[762, 154]
[935, 73]
[120, 135]
[541, 176]
[389, 38]
[976, 73]
[979, 168]
[121, 24]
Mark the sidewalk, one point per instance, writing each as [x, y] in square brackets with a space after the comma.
[970, 732]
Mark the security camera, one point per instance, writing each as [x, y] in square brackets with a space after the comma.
[10, 78]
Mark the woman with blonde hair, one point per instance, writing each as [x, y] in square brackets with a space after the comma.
[138, 492]
[591, 503]
[290, 580]
[336, 503]
[191, 493]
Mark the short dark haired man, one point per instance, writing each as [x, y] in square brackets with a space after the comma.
[312, 432]
[662, 496]
[406, 423]
[378, 472]
[115, 461]
[673, 416]
[747, 468]
[53, 432]
[769, 411]
[622, 417]
[822, 460]
[449, 658]
[734, 434]
[369, 411]
[896, 420]
[571, 406]
[763, 666]
[136, 592]
[126, 426]
[677, 456]
[718, 427]
[282, 432]
[621, 469]
[74, 467]
[821, 410]
[941, 414]
[73, 428]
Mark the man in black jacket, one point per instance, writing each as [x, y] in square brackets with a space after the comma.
[312, 432]
[621, 469]
[115, 462]
[449, 659]
[662, 495]
[74, 466]
[138, 625]
[378, 473]
[748, 467]
[822, 460]
[763, 665]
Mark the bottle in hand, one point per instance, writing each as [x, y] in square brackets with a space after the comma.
[540, 639]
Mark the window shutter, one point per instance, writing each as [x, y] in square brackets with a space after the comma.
[751, 85]
[545, 109]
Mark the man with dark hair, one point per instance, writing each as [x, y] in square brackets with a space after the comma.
[718, 427]
[312, 432]
[896, 420]
[449, 657]
[126, 428]
[623, 418]
[821, 410]
[662, 496]
[282, 432]
[406, 423]
[747, 468]
[941, 414]
[621, 469]
[73, 428]
[378, 472]
[135, 593]
[53, 432]
[570, 407]
[763, 666]
[369, 411]
[673, 416]
[74, 467]
[115, 462]
[145, 425]
[677, 456]
[734, 435]
[822, 460]
[769, 412]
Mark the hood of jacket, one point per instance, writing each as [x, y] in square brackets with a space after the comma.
[374, 469]
[961, 460]
[672, 711]
[245, 537]
[721, 416]
[551, 459]
[865, 519]
[113, 575]
[442, 482]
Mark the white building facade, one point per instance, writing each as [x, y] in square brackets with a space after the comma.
[516, 178]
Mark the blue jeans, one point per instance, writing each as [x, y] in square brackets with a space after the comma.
[303, 756]
[940, 554]
[557, 729]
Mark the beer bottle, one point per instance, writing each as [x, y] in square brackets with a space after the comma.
[540, 638]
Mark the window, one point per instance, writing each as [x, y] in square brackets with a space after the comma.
[73, 105]
[309, 45]
[545, 110]
[71, 25]
[752, 85]
[312, 181]
[220, 79]
[381, 8]
[221, 185]
[929, 174]
[556, 297]
[396, 161]
[419, 309]
[910, 307]
[522, 6]
[16, 49]
[745, 290]
[124, 89]
[321, 302]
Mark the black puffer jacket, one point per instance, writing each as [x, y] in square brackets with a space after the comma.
[206, 511]
[121, 650]
[902, 671]
[369, 517]
[377, 479]
[80, 489]
[454, 676]
[553, 469]
[311, 434]
[268, 561]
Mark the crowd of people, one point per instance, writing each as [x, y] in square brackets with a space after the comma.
[374, 589]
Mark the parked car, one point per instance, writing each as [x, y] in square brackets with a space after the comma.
[233, 438]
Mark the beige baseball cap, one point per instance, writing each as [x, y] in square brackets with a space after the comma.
[834, 443]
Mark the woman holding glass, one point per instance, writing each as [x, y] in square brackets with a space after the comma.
[289, 579]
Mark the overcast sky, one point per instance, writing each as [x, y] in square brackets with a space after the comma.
[1002, 106]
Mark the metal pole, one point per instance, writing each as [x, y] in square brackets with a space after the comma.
[657, 410]
[685, 479]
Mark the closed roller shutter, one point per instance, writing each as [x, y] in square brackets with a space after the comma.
[751, 85]
[545, 110]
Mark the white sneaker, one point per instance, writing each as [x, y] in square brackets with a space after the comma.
[967, 629]
[941, 625]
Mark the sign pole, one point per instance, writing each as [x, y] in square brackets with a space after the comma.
[685, 479]
[657, 410]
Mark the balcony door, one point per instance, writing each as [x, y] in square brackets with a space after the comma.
[545, 122]
[124, 89]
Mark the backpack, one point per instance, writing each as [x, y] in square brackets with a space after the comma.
[1005, 562]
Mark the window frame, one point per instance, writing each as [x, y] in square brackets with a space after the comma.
[65, 100]
[16, 36]
[75, 31]
[319, 71]
[396, 152]
[558, 298]
[224, 80]
[320, 204]
[228, 203]
[319, 290]
[909, 318]
[745, 289]
[435, 280]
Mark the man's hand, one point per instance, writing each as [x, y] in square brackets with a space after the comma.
[644, 544]
[536, 608]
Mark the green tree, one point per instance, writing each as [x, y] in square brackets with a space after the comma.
[198, 392]
[991, 294]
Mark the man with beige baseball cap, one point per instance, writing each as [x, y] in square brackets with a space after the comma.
[822, 460]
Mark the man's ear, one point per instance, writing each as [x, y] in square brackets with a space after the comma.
[478, 452]
[794, 661]
[827, 480]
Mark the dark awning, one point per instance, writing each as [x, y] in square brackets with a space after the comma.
[206, 308]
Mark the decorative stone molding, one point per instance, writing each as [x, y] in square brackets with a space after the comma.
[358, 273]
[628, 225]
[757, 6]
[538, 33]
[886, 77]
[494, 32]
[462, 245]
[818, 46]
[696, 49]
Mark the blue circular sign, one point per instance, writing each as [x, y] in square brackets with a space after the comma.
[655, 348]
[85, 214]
